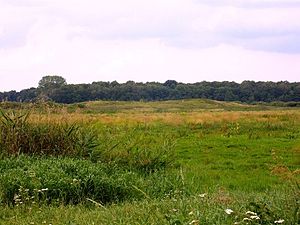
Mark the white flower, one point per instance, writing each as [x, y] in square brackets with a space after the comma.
[251, 213]
[202, 195]
[228, 211]
[247, 219]
[254, 218]
[45, 189]
[279, 221]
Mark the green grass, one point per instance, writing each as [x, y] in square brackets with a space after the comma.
[55, 181]
[156, 172]
[210, 209]
[186, 105]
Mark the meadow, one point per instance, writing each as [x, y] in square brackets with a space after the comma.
[168, 162]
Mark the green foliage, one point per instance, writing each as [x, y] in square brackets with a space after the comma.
[65, 181]
[69, 181]
[52, 81]
[55, 88]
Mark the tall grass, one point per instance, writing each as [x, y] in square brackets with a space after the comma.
[141, 147]
[122, 163]
[18, 136]
[31, 180]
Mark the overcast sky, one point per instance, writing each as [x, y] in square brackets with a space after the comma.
[157, 40]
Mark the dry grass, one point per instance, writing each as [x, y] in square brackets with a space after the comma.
[168, 117]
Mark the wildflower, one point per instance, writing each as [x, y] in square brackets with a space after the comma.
[251, 213]
[247, 219]
[191, 213]
[75, 181]
[279, 221]
[228, 211]
[202, 195]
[45, 189]
[254, 218]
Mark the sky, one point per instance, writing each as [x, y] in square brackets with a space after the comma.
[184, 40]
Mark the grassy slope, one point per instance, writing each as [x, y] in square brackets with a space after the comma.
[187, 105]
[237, 158]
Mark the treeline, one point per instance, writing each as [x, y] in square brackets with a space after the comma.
[247, 91]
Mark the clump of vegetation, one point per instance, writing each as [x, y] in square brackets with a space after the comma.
[30, 180]
[18, 136]
[142, 147]
[111, 166]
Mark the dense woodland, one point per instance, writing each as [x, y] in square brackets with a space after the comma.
[55, 88]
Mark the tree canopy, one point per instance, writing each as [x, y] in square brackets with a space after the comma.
[52, 81]
[55, 88]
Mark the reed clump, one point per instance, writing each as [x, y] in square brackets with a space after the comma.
[18, 136]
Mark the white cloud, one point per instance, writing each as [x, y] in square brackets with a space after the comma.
[186, 23]
[186, 40]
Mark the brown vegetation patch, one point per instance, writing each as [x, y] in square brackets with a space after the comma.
[280, 170]
[222, 197]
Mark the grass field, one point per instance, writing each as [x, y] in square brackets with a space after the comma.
[173, 162]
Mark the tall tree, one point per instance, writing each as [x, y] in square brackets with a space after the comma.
[48, 85]
[52, 81]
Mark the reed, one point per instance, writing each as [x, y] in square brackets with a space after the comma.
[19, 136]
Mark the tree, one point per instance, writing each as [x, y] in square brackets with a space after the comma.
[48, 85]
[52, 82]
[170, 83]
[55, 88]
